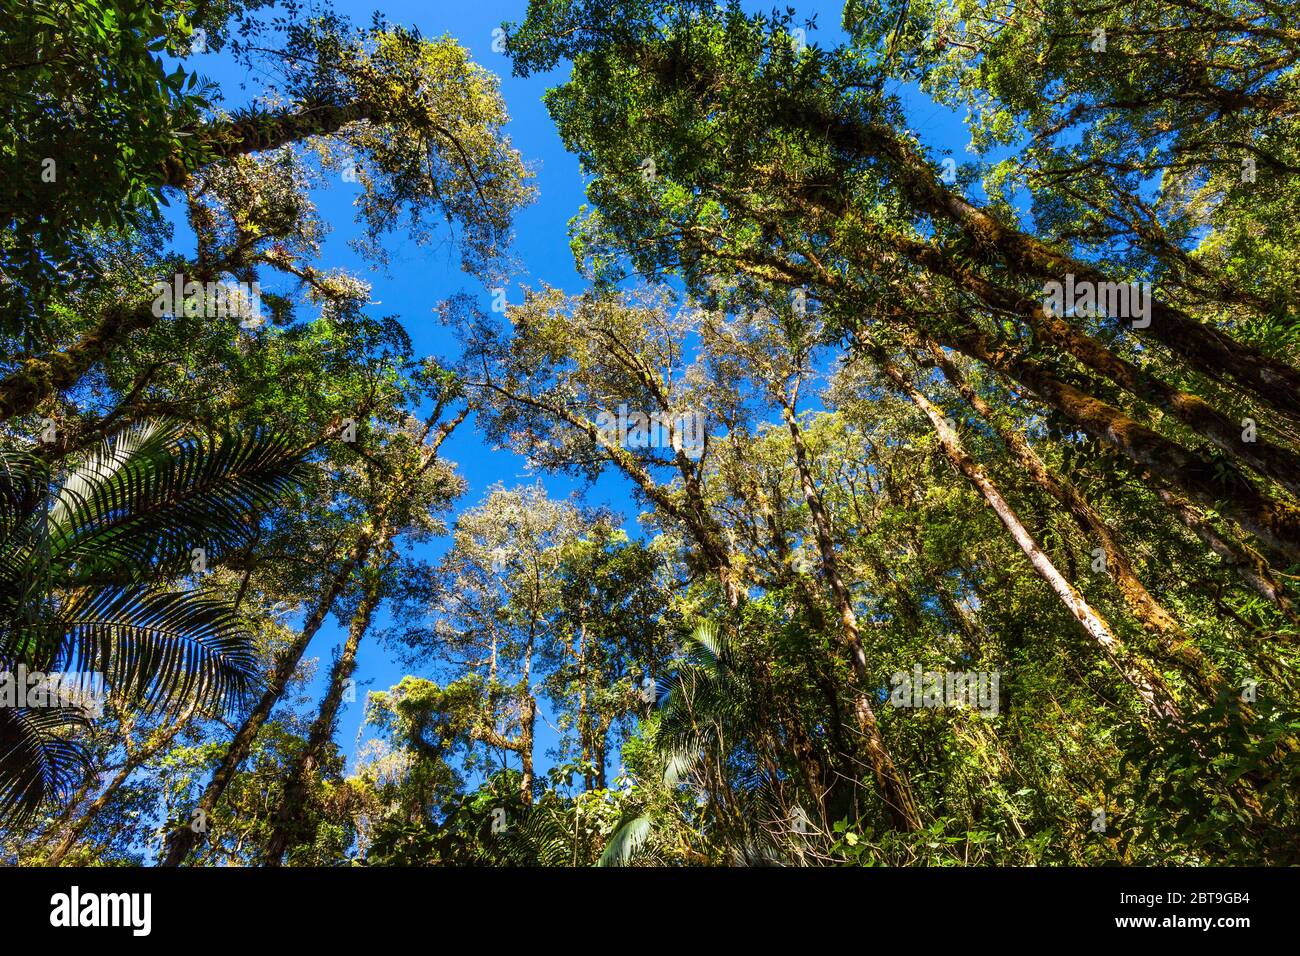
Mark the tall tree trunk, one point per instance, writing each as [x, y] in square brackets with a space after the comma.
[1275, 524]
[294, 796]
[1248, 565]
[36, 380]
[586, 726]
[527, 734]
[893, 785]
[1174, 643]
[381, 532]
[600, 754]
[1156, 698]
[260, 131]
[1280, 464]
[160, 738]
[185, 837]
[1212, 353]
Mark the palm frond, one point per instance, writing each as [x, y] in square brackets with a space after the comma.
[23, 486]
[160, 648]
[711, 640]
[625, 842]
[540, 837]
[83, 583]
[38, 762]
[678, 764]
[144, 502]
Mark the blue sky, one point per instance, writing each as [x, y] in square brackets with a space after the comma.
[418, 279]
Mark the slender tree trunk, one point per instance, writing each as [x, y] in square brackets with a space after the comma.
[1280, 464]
[1156, 698]
[36, 380]
[294, 797]
[1275, 524]
[160, 738]
[185, 838]
[1174, 643]
[261, 131]
[586, 727]
[600, 752]
[1249, 566]
[1212, 353]
[527, 733]
[893, 785]
[373, 563]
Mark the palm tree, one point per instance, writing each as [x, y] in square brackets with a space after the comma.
[706, 731]
[90, 568]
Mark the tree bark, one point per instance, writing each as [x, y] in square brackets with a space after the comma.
[1150, 613]
[527, 733]
[159, 739]
[1275, 524]
[36, 380]
[294, 796]
[1280, 464]
[893, 785]
[266, 130]
[1209, 351]
[1156, 698]
[1249, 566]
[184, 839]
